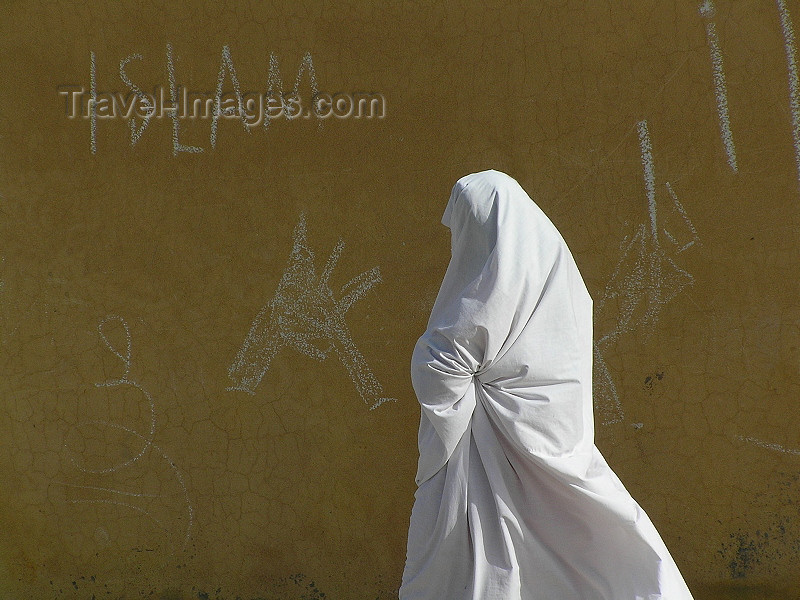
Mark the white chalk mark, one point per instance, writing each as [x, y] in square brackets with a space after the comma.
[124, 504]
[720, 87]
[689, 225]
[176, 471]
[274, 83]
[305, 315]
[115, 467]
[147, 440]
[644, 281]
[226, 66]
[768, 445]
[122, 381]
[794, 82]
[126, 359]
[603, 389]
[147, 103]
[173, 95]
[307, 63]
[649, 175]
[275, 88]
[707, 9]
[104, 489]
[291, 107]
[92, 103]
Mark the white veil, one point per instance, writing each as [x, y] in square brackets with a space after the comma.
[514, 500]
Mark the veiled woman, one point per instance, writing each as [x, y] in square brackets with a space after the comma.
[514, 501]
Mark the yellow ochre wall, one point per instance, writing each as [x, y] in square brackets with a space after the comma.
[189, 357]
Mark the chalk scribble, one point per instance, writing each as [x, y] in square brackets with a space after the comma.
[138, 501]
[794, 80]
[720, 86]
[304, 315]
[644, 280]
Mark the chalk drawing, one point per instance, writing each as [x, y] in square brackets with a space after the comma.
[147, 103]
[689, 225]
[122, 381]
[226, 66]
[145, 441]
[304, 315]
[768, 445]
[794, 82]
[604, 391]
[644, 280]
[720, 87]
[307, 63]
[173, 95]
[275, 87]
[139, 109]
[649, 175]
[123, 504]
[105, 489]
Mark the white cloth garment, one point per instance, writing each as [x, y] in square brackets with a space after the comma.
[514, 501]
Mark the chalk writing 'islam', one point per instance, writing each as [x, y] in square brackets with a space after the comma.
[255, 109]
[304, 315]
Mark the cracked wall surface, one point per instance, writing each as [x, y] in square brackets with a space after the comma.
[197, 314]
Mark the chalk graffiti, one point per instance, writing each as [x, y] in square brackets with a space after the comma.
[226, 66]
[689, 226]
[707, 11]
[101, 494]
[275, 86]
[794, 82]
[147, 103]
[768, 445]
[173, 96]
[251, 108]
[720, 87]
[644, 280]
[305, 315]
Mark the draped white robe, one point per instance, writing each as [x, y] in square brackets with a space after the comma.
[514, 501]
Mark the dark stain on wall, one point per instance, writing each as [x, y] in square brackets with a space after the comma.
[747, 553]
[744, 553]
[651, 380]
